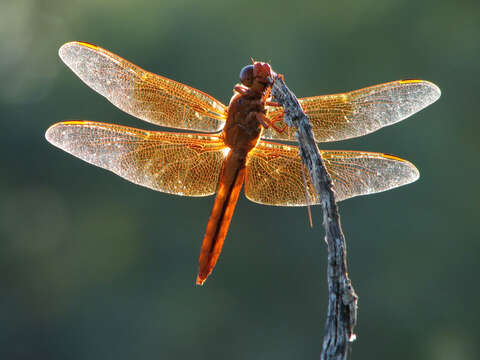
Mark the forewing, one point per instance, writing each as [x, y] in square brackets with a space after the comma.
[145, 95]
[360, 112]
[274, 174]
[175, 163]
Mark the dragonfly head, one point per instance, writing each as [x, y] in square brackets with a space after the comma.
[259, 71]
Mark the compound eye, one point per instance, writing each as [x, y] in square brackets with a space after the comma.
[246, 75]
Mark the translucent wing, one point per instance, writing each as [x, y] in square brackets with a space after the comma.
[175, 163]
[274, 174]
[148, 96]
[359, 112]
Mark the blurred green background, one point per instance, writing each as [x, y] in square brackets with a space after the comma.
[93, 267]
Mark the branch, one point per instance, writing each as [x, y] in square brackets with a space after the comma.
[342, 300]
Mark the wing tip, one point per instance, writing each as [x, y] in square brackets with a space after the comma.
[65, 52]
[65, 49]
[403, 175]
[431, 91]
[410, 168]
[51, 135]
[434, 91]
[414, 173]
[407, 174]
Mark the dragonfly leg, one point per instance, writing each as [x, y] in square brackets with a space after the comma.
[240, 89]
[276, 128]
[272, 103]
[266, 123]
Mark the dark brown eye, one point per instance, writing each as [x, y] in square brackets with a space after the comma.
[246, 75]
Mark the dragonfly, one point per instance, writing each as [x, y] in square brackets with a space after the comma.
[226, 147]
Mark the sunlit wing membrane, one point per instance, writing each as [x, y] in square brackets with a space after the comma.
[147, 96]
[274, 174]
[175, 163]
[360, 112]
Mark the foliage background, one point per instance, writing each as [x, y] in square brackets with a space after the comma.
[93, 267]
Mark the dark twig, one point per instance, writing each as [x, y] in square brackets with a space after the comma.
[342, 300]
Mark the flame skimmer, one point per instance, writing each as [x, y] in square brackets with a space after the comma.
[232, 150]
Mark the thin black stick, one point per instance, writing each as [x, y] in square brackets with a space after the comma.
[342, 300]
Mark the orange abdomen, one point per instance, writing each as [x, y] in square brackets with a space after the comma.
[231, 181]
